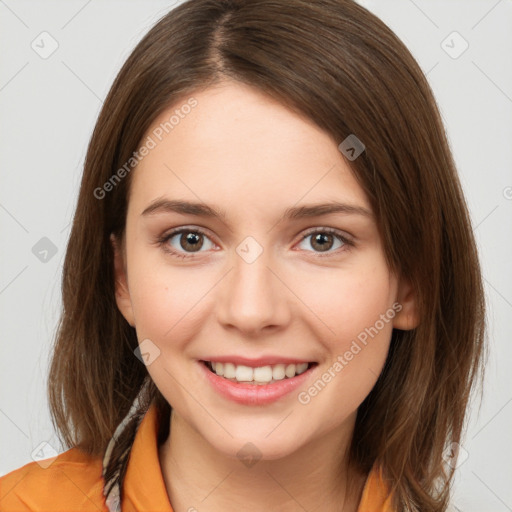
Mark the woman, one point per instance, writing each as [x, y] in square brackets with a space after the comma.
[272, 295]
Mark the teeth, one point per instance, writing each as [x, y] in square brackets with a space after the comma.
[261, 374]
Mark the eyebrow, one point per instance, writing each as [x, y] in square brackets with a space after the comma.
[292, 213]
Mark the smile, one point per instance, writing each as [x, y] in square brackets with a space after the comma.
[262, 375]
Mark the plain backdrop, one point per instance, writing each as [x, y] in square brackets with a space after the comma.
[58, 62]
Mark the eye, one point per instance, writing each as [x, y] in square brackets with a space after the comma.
[185, 239]
[324, 239]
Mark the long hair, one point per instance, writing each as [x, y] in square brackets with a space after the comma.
[340, 66]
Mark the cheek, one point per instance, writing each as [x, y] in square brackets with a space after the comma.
[356, 304]
[358, 308]
[349, 300]
[167, 301]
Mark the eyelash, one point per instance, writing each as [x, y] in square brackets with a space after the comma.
[162, 241]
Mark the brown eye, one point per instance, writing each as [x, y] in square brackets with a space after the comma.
[324, 241]
[184, 243]
[190, 241]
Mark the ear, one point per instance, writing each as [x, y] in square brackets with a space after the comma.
[122, 292]
[407, 316]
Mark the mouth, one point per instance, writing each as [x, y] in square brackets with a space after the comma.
[262, 375]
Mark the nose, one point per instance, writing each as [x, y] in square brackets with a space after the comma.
[253, 297]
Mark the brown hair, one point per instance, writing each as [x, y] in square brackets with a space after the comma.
[339, 65]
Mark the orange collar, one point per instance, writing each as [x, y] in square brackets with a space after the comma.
[144, 486]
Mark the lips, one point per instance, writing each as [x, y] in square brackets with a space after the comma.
[255, 393]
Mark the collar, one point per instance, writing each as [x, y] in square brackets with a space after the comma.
[144, 487]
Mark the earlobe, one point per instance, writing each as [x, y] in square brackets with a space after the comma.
[407, 316]
[122, 291]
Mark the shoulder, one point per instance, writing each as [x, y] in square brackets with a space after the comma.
[71, 482]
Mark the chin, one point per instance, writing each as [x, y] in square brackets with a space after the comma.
[251, 448]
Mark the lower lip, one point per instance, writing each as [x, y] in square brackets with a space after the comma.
[255, 394]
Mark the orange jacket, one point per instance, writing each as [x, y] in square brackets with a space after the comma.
[73, 482]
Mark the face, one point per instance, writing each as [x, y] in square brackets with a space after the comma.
[266, 277]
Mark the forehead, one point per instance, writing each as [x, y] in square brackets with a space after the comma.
[236, 146]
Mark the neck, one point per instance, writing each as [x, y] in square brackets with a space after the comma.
[199, 477]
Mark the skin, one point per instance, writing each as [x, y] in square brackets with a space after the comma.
[251, 157]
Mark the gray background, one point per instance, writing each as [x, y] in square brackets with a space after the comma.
[49, 106]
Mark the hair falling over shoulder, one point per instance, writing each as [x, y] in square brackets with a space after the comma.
[340, 66]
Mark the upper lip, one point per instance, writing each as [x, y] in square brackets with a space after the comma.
[255, 362]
